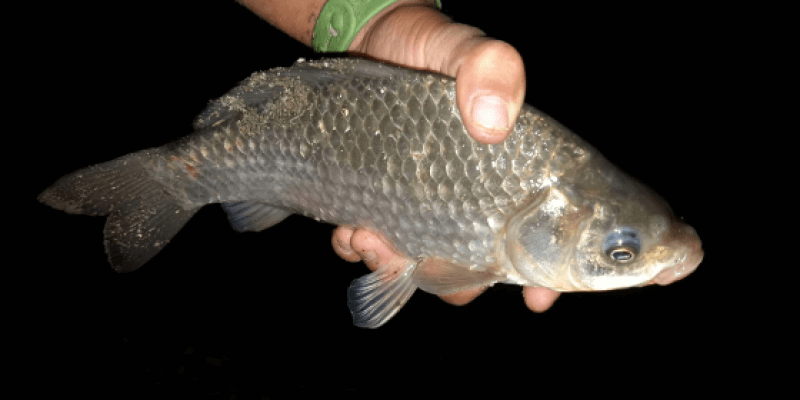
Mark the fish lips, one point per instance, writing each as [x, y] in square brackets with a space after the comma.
[686, 263]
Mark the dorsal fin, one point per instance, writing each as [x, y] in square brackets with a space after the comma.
[269, 85]
[225, 107]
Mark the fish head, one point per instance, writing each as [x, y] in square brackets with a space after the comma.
[600, 229]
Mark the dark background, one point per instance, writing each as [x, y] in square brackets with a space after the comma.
[229, 315]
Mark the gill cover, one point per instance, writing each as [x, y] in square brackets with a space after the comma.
[541, 238]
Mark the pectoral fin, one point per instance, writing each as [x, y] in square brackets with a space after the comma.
[375, 298]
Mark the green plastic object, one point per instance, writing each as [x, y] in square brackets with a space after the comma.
[340, 21]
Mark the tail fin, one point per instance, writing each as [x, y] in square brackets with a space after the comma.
[142, 215]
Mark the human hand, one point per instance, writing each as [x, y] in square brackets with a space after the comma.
[490, 89]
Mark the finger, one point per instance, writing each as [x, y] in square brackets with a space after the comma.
[375, 251]
[341, 244]
[490, 89]
[539, 299]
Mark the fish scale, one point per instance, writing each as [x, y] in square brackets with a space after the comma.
[363, 144]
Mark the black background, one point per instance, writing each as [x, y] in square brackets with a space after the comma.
[221, 314]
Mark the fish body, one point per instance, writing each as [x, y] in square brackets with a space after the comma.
[368, 145]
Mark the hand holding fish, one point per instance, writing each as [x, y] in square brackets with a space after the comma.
[490, 89]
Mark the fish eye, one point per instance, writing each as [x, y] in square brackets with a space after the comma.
[622, 245]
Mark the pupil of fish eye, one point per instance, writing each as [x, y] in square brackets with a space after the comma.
[621, 255]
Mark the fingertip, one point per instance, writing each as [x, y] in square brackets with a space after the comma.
[539, 299]
[341, 244]
[490, 90]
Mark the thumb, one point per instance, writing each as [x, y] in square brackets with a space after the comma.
[490, 89]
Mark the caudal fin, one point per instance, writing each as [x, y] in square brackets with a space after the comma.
[142, 215]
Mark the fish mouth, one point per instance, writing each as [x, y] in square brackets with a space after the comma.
[687, 262]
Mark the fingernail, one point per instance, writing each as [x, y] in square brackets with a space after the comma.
[343, 246]
[490, 112]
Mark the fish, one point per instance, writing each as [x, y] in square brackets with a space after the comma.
[374, 146]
